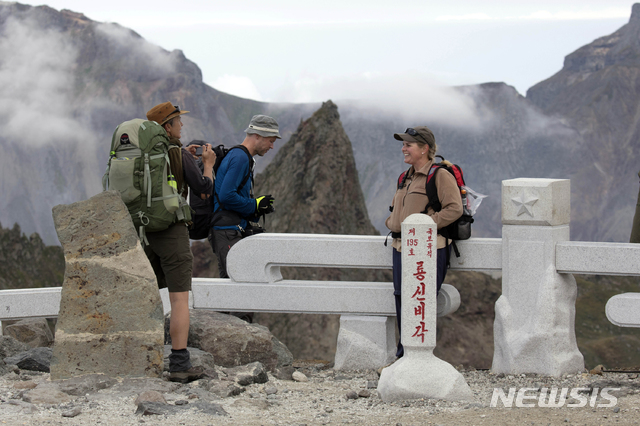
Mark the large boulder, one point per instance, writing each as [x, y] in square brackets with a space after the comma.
[35, 332]
[234, 342]
[111, 316]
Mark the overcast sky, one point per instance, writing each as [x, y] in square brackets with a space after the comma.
[289, 50]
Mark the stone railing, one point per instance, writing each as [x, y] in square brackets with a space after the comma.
[534, 325]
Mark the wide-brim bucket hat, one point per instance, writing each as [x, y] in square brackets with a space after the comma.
[264, 126]
[164, 112]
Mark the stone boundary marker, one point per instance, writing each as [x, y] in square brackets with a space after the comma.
[111, 317]
[419, 373]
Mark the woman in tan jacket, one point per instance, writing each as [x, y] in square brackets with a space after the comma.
[419, 149]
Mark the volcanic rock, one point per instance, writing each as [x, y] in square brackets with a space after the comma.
[35, 332]
[111, 315]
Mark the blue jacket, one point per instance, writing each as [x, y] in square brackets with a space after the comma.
[235, 166]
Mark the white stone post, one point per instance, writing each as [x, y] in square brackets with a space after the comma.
[365, 341]
[419, 374]
[534, 328]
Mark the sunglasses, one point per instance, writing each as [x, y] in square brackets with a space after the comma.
[174, 111]
[413, 132]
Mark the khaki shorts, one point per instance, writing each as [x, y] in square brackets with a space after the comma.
[170, 255]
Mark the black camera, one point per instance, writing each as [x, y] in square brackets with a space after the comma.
[199, 151]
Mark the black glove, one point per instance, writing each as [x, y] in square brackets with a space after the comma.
[264, 204]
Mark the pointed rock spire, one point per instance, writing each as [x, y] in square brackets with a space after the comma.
[315, 182]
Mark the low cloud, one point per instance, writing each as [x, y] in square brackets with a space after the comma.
[36, 78]
[145, 52]
[410, 95]
[49, 152]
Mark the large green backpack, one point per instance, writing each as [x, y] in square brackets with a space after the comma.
[140, 169]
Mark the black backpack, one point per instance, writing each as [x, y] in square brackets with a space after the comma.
[204, 208]
[460, 229]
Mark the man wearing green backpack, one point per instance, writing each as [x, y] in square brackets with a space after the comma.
[169, 250]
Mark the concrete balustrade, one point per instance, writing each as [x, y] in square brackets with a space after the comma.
[45, 303]
[534, 317]
[258, 259]
[577, 257]
[29, 302]
[310, 297]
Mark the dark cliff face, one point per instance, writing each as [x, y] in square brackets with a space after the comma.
[597, 94]
[600, 61]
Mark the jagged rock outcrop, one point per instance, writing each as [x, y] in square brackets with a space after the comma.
[111, 315]
[315, 181]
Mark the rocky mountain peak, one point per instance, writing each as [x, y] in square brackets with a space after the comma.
[314, 177]
[635, 13]
[317, 191]
[621, 47]
[76, 16]
[596, 94]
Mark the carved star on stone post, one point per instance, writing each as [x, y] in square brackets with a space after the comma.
[525, 203]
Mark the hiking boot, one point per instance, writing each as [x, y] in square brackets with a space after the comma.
[186, 376]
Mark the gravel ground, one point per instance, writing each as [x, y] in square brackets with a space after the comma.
[328, 397]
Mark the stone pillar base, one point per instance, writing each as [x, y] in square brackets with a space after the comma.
[365, 342]
[132, 354]
[422, 375]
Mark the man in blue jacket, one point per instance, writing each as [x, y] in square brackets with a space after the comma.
[234, 202]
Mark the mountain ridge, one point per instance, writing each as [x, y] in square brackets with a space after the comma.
[596, 93]
[99, 75]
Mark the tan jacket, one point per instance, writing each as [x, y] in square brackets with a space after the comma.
[412, 198]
